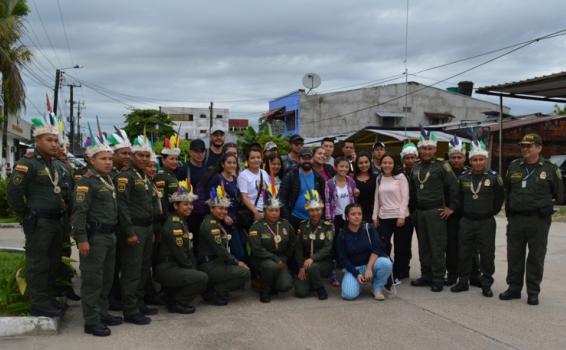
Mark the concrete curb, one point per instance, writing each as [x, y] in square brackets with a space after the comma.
[28, 325]
[12, 225]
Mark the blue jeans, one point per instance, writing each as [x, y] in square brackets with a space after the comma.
[381, 272]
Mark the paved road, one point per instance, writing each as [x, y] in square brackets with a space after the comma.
[415, 319]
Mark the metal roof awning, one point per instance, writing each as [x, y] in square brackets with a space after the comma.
[402, 135]
[544, 88]
[390, 115]
[315, 141]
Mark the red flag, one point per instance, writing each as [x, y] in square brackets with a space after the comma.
[48, 103]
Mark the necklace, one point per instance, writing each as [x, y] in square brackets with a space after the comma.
[276, 236]
[108, 185]
[422, 182]
[54, 180]
[144, 178]
[475, 191]
[312, 238]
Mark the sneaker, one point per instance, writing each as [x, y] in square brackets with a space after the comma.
[397, 282]
[378, 295]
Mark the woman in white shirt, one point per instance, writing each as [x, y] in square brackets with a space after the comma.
[391, 208]
[252, 182]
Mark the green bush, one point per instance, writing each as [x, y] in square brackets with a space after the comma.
[5, 210]
[14, 299]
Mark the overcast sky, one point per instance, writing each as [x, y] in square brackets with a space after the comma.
[241, 54]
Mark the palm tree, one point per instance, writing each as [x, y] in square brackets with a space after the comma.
[13, 56]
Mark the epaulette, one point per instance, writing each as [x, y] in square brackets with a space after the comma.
[446, 166]
[517, 160]
[88, 174]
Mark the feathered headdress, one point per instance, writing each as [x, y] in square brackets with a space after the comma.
[409, 148]
[270, 198]
[313, 200]
[95, 144]
[182, 194]
[119, 139]
[171, 146]
[478, 147]
[426, 138]
[456, 146]
[44, 126]
[142, 144]
[218, 198]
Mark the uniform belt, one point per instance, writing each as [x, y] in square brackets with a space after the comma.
[142, 222]
[206, 258]
[103, 228]
[41, 214]
[472, 216]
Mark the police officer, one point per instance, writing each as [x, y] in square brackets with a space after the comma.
[94, 224]
[225, 272]
[121, 158]
[436, 192]
[176, 265]
[313, 250]
[135, 208]
[34, 192]
[273, 242]
[482, 196]
[533, 186]
[166, 181]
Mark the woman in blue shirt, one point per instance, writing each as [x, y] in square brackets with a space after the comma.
[360, 254]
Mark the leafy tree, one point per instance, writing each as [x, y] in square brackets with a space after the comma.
[13, 56]
[558, 110]
[263, 136]
[157, 125]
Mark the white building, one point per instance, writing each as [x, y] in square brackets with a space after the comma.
[19, 139]
[195, 122]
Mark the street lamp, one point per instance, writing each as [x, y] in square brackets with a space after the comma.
[58, 72]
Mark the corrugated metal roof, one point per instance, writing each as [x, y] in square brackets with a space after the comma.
[514, 123]
[551, 87]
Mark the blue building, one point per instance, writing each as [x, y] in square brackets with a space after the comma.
[285, 114]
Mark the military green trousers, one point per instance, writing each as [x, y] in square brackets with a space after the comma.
[181, 283]
[526, 231]
[273, 277]
[97, 275]
[224, 278]
[431, 234]
[136, 262]
[477, 235]
[43, 256]
[315, 273]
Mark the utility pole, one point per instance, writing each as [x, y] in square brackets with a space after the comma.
[80, 107]
[71, 117]
[56, 90]
[210, 109]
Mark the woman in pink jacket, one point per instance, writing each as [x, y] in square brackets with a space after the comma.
[391, 208]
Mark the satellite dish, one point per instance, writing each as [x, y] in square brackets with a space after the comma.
[311, 81]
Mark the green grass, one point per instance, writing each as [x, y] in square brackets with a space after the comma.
[8, 220]
[11, 301]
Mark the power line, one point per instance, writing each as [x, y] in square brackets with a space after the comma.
[65, 31]
[46, 33]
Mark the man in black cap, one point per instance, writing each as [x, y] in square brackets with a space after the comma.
[215, 148]
[378, 152]
[194, 170]
[533, 185]
[291, 160]
[295, 184]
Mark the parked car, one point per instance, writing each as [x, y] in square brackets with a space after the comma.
[560, 160]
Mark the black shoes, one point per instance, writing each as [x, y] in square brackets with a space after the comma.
[421, 282]
[177, 308]
[138, 319]
[49, 311]
[510, 294]
[532, 299]
[460, 287]
[110, 320]
[487, 292]
[148, 311]
[322, 294]
[214, 299]
[437, 287]
[98, 330]
[264, 296]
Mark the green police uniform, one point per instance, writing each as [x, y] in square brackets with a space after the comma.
[481, 196]
[34, 191]
[272, 243]
[531, 189]
[167, 184]
[95, 220]
[314, 242]
[176, 267]
[214, 258]
[435, 186]
[135, 209]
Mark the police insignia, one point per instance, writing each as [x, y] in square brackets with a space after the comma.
[80, 197]
[542, 175]
[22, 168]
[487, 183]
[179, 241]
[160, 184]
[218, 239]
[121, 187]
[18, 179]
[322, 236]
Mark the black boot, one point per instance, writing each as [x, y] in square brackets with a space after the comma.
[460, 287]
[450, 280]
[148, 310]
[487, 292]
[532, 299]
[213, 299]
[322, 294]
[177, 308]
[111, 320]
[138, 319]
[98, 330]
[437, 287]
[510, 294]
[265, 296]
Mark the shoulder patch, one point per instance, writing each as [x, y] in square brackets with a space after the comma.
[123, 180]
[22, 168]
[160, 183]
[215, 231]
[177, 232]
[77, 177]
[83, 189]
[252, 233]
